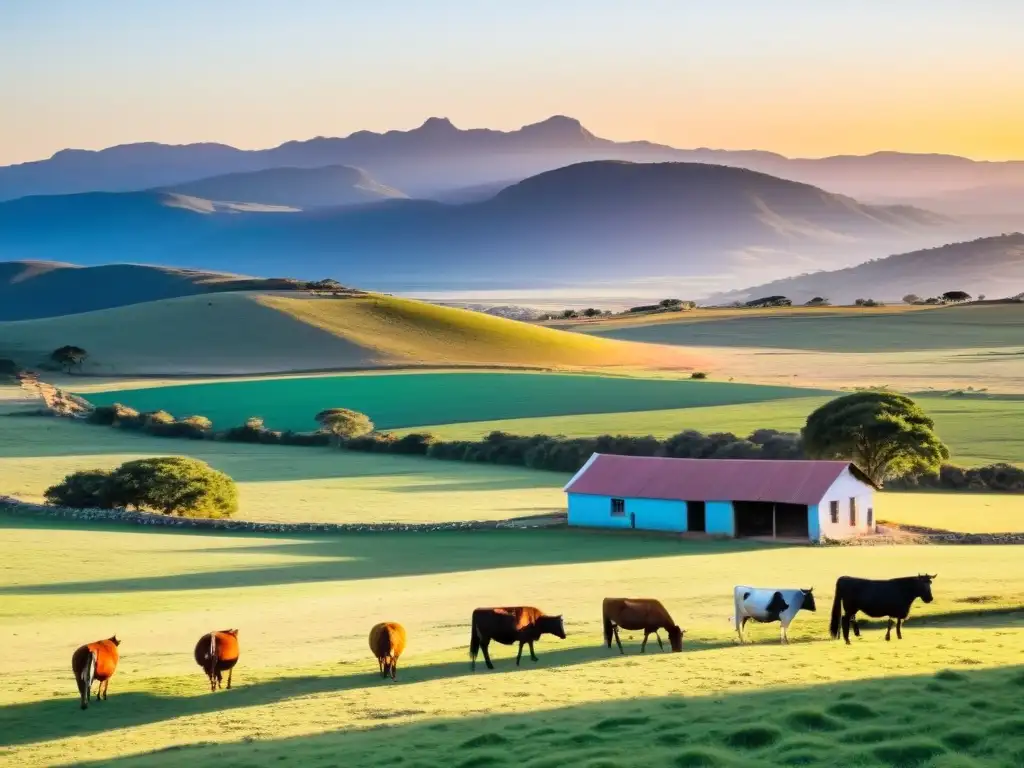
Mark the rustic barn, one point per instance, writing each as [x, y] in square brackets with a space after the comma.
[807, 500]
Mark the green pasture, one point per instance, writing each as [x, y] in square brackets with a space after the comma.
[978, 430]
[842, 330]
[415, 399]
[306, 689]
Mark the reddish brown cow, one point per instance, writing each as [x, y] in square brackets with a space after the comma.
[387, 641]
[639, 613]
[217, 652]
[95, 661]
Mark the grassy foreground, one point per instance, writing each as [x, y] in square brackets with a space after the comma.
[307, 686]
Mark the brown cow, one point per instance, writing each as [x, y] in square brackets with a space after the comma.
[95, 661]
[387, 641]
[523, 624]
[217, 652]
[639, 613]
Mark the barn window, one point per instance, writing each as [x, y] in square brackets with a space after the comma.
[618, 508]
[871, 516]
[833, 508]
[853, 511]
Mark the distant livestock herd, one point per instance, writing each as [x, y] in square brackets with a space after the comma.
[218, 652]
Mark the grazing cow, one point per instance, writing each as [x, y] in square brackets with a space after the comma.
[95, 661]
[770, 605]
[522, 624]
[217, 652]
[891, 598]
[639, 613]
[387, 641]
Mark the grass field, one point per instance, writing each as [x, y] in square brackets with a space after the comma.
[829, 330]
[261, 333]
[414, 399]
[906, 348]
[307, 690]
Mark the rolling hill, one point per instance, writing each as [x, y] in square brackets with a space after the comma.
[30, 290]
[240, 333]
[992, 266]
[333, 185]
[437, 158]
[588, 222]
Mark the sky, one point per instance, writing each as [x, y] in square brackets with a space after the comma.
[805, 78]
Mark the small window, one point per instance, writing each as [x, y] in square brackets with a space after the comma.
[871, 517]
[853, 511]
[618, 508]
[833, 508]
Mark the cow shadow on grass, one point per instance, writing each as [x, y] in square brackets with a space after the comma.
[60, 718]
[919, 720]
[325, 558]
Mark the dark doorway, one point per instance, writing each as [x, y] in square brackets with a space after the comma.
[763, 518]
[696, 519]
[791, 521]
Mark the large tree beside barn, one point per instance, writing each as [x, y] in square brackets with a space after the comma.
[886, 434]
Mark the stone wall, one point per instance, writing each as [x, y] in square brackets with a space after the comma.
[13, 506]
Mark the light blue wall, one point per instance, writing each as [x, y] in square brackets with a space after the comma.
[657, 514]
[651, 514]
[813, 523]
[594, 512]
[720, 519]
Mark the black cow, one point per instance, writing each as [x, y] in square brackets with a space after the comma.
[522, 624]
[891, 598]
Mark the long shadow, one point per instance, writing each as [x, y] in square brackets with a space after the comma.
[978, 618]
[380, 555]
[923, 720]
[61, 718]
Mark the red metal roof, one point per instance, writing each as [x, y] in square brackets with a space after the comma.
[644, 477]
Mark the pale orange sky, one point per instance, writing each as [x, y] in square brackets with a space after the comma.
[798, 77]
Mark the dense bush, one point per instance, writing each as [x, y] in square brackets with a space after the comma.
[87, 489]
[343, 423]
[8, 368]
[172, 485]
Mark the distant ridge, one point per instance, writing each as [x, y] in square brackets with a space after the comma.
[36, 289]
[437, 157]
[332, 185]
[992, 266]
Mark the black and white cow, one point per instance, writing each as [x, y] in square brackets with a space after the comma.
[769, 605]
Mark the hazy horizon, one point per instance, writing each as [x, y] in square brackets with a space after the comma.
[798, 78]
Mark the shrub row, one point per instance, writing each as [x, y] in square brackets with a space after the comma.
[1003, 478]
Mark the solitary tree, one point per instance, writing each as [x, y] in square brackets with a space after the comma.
[591, 312]
[884, 433]
[174, 485]
[69, 357]
[818, 301]
[911, 298]
[956, 296]
[343, 423]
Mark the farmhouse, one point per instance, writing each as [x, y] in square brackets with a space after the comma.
[728, 497]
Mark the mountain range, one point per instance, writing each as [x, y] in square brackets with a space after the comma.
[437, 159]
[714, 227]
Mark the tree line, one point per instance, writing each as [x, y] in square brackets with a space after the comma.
[886, 434]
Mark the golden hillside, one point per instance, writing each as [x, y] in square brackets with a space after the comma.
[241, 333]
